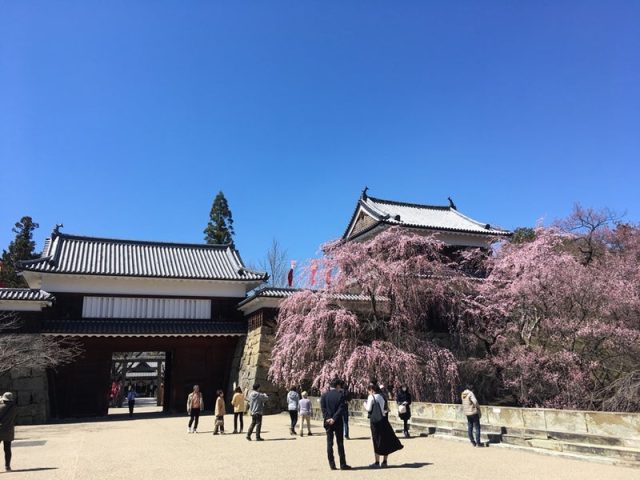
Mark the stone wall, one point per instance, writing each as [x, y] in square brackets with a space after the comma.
[256, 360]
[525, 422]
[30, 388]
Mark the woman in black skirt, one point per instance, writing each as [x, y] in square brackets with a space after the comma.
[384, 438]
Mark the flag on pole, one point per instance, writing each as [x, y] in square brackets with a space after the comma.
[290, 275]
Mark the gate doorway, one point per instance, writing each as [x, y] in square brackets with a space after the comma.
[84, 387]
[140, 375]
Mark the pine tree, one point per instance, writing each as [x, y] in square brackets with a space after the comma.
[21, 248]
[220, 227]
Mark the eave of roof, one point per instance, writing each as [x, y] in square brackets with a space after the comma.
[281, 293]
[25, 295]
[142, 328]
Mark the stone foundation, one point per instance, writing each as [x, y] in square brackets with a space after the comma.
[31, 390]
[254, 367]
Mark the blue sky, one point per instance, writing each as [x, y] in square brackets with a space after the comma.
[124, 119]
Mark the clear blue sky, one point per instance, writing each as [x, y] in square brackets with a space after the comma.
[124, 119]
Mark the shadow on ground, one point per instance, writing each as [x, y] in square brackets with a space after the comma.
[402, 465]
[37, 469]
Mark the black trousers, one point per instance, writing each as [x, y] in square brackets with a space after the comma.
[236, 416]
[195, 416]
[294, 418]
[131, 405]
[336, 429]
[256, 422]
[7, 453]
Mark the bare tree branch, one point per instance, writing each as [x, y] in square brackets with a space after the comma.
[31, 350]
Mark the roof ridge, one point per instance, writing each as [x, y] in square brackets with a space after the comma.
[20, 289]
[146, 242]
[409, 204]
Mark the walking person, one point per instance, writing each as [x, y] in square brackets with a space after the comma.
[131, 399]
[304, 408]
[239, 406]
[195, 404]
[403, 399]
[219, 413]
[471, 409]
[292, 405]
[332, 405]
[8, 414]
[257, 400]
[384, 438]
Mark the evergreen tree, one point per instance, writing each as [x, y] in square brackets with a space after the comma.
[220, 227]
[21, 248]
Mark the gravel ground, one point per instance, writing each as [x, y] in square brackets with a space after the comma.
[156, 447]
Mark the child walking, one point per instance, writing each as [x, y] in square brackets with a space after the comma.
[304, 407]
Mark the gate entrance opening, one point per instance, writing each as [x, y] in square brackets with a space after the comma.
[137, 374]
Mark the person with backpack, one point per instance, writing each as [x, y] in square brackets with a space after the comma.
[471, 409]
[384, 438]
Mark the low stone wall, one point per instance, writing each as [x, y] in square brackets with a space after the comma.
[30, 388]
[529, 422]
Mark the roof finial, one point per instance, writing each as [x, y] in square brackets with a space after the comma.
[56, 229]
[364, 193]
[451, 204]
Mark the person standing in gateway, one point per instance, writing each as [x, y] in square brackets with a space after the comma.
[332, 405]
[256, 409]
[131, 399]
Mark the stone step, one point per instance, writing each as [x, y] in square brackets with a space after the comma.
[616, 452]
[572, 455]
[574, 437]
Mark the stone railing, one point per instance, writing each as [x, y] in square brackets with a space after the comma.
[607, 434]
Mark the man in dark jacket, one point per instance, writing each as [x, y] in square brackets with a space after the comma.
[8, 413]
[332, 405]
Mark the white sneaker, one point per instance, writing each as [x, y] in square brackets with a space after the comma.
[195, 431]
[188, 430]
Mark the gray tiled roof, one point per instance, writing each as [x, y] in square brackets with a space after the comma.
[432, 217]
[25, 295]
[275, 292]
[142, 328]
[72, 254]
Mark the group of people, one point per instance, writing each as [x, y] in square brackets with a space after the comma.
[333, 403]
[335, 413]
[256, 401]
